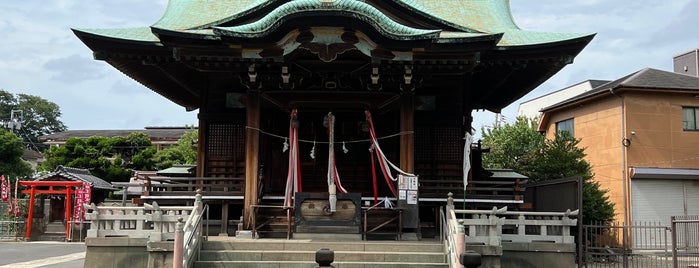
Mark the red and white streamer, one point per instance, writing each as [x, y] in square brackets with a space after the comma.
[384, 164]
[293, 179]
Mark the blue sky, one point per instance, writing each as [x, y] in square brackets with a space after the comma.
[39, 55]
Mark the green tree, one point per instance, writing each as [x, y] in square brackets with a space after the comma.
[107, 158]
[182, 153]
[40, 116]
[512, 145]
[542, 160]
[11, 149]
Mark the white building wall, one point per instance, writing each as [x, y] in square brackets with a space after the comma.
[532, 107]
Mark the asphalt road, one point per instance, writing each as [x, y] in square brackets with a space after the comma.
[41, 254]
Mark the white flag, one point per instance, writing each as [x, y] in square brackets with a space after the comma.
[467, 157]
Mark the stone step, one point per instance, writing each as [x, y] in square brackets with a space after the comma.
[340, 256]
[313, 245]
[299, 264]
[55, 227]
[61, 237]
[301, 253]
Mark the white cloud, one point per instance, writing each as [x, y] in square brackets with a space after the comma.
[41, 56]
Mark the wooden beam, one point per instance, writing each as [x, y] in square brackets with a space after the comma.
[252, 144]
[407, 128]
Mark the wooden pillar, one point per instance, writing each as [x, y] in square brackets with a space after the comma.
[252, 144]
[30, 215]
[202, 133]
[407, 127]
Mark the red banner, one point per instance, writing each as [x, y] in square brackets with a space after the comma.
[82, 196]
[8, 189]
[3, 188]
[77, 211]
[87, 193]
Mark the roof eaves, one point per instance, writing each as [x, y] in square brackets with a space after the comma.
[462, 37]
[203, 34]
[141, 35]
[518, 39]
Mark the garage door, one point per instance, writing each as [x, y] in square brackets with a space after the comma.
[692, 197]
[658, 200]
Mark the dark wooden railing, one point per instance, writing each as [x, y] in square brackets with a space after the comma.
[186, 187]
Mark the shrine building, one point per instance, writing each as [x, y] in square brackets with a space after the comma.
[320, 107]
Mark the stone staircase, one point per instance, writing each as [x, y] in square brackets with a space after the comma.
[233, 252]
[55, 231]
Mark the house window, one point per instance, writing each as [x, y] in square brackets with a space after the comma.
[565, 125]
[690, 118]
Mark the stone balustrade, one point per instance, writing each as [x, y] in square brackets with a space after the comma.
[149, 221]
[492, 227]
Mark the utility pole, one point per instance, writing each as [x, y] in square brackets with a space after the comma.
[499, 118]
[15, 122]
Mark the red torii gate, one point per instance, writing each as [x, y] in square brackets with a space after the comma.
[54, 187]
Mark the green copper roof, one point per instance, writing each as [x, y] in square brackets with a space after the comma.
[485, 16]
[204, 19]
[349, 8]
[186, 14]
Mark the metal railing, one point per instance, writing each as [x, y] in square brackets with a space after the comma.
[685, 241]
[12, 230]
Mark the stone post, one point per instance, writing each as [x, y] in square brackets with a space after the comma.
[94, 220]
[470, 259]
[198, 203]
[157, 218]
[450, 200]
[177, 255]
[325, 258]
[460, 241]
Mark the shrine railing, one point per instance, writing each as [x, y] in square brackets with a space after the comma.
[492, 227]
[188, 236]
[149, 221]
[452, 233]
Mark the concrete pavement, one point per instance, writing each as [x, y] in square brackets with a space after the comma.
[41, 254]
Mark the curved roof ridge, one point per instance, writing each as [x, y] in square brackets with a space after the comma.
[351, 8]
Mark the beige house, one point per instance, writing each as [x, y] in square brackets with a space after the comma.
[160, 137]
[641, 136]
